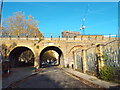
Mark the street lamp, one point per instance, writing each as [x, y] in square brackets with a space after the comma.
[82, 28]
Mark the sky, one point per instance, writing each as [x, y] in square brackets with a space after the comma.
[55, 17]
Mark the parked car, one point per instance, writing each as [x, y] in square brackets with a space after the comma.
[44, 64]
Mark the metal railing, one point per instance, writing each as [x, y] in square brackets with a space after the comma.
[49, 36]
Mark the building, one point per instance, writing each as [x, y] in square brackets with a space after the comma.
[70, 34]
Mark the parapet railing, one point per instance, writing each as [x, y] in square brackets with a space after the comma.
[81, 37]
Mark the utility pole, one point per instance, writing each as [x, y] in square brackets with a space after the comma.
[1, 11]
[1, 5]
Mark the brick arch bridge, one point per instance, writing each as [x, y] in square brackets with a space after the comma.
[64, 47]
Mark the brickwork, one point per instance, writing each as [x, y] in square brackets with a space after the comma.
[66, 46]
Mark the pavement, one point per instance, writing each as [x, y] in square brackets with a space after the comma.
[20, 73]
[17, 74]
[92, 80]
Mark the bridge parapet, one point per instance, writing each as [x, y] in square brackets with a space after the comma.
[19, 38]
[75, 38]
[83, 38]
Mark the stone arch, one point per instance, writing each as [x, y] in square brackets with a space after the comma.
[75, 48]
[21, 46]
[15, 53]
[72, 55]
[58, 50]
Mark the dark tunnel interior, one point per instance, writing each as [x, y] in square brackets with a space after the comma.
[21, 56]
[56, 49]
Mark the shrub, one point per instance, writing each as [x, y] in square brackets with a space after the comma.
[37, 47]
[106, 73]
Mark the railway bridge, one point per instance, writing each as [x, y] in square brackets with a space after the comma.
[66, 48]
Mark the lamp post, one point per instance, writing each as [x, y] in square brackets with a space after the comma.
[83, 28]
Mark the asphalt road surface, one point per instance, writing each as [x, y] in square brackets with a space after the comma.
[52, 77]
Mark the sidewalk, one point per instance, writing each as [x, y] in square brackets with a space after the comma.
[16, 75]
[92, 79]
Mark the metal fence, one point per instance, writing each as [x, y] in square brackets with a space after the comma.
[91, 61]
[79, 60]
[58, 35]
[111, 54]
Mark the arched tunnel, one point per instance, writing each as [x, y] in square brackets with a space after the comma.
[21, 56]
[58, 61]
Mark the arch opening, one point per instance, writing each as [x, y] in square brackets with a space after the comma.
[21, 57]
[51, 56]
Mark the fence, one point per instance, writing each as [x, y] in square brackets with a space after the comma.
[79, 60]
[57, 36]
[97, 57]
[91, 61]
[111, 55]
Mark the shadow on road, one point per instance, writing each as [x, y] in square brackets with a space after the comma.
[40, 81]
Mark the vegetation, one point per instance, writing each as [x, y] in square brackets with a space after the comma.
[6, 49]
[17, 25]
[107, 73]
